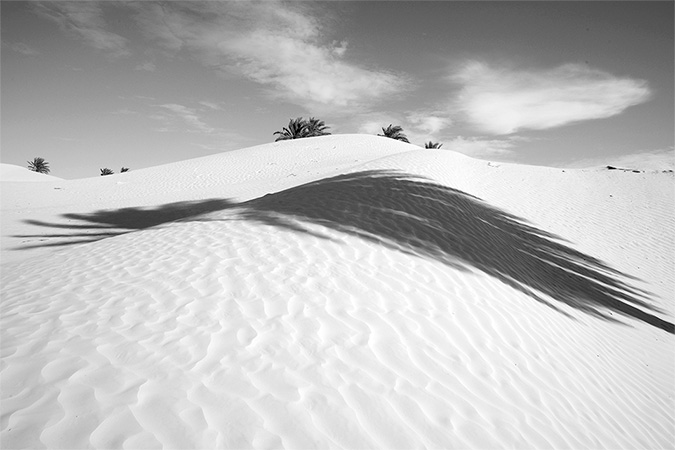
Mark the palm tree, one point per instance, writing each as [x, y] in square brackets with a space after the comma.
[394, 133]
[433, 145]
[106, 171]
[316, 127]
[124, 169]
[297, 128]
[38, 165]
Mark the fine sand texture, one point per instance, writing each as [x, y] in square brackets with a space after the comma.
[345, 291]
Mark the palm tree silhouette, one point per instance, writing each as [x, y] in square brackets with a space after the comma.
[316, 127]
[297, 128]
[106, 171]
[394, 132]
[38, 165]
[433, 145]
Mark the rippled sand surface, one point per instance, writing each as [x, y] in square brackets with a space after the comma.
[339, 292]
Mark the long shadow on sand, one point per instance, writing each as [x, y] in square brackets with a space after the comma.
[103, 224]
[416, 216]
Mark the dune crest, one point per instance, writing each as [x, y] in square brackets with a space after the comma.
[11, 172]
[346, 291]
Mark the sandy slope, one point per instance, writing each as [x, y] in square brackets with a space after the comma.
[348, 292]
[10, 172]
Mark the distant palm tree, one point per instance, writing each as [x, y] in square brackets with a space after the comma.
[124, 169]
[297, 128]
[106, 171]
[38, 165]
[433, 145]
[394, 133]
[316, 127]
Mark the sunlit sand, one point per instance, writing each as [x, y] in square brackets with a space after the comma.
[346, 291]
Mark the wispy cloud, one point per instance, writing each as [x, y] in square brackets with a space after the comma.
[428, 122]
[187, 115]
[178, 118]
[501, 100]
[85, 20]
[211, 105]
[481, 147]
[147, 66]
[23, 48]
[280, 46]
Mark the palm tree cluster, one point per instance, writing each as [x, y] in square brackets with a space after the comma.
[38, 165]
[396, 132]
[301, 128]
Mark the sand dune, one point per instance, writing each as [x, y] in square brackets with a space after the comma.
[10, 172]
[339, 292]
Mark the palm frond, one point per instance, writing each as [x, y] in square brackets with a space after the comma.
[38, 165]
[394, 132]
[434, 145]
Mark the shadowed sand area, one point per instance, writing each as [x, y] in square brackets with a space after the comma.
[113, 222]
[415, 216]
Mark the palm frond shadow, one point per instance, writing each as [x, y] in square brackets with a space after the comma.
[416, 216]
[429, 220]
[109, 223]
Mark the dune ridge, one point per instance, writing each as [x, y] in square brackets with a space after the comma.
[369, 303]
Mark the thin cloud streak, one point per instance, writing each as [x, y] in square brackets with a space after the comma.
[147, 66]
[85, 20]
[189, 116]
[23, 48]
[503, 101]
[480, 147]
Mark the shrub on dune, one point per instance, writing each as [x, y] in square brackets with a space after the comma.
[394, 132]
[301, 128]
[106, 171]
[433, 145]
[316, 127]
[297, 128]
[38, 165]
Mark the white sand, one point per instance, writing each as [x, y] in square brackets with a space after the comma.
[182, 307]
[10, 172]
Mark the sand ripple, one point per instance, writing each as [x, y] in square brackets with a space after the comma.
[229, 331]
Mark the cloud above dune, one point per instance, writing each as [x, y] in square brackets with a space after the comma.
[501, 100]
[428, 122]
[85, 20]
[280, 46]
[285, 47]
[481, 147]
[185, 114]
